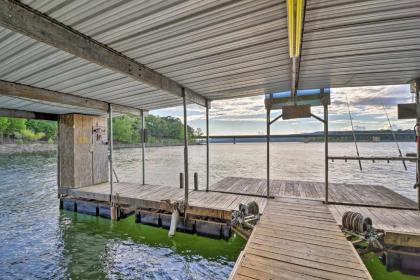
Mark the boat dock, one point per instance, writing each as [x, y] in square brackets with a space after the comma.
[298, 239]
[298, 235]
[82, 63]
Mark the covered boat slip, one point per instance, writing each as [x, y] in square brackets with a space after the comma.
[82, 61]
[298, 239]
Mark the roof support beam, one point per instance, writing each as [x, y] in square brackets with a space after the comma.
[27, 21]
[27, 115]
[39, 94]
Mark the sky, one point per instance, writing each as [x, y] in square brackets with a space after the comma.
[247, 115]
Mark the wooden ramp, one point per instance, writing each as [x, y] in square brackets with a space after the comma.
[346, 194]
[298, 239]
[211, 204]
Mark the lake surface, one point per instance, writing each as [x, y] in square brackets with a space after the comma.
[38, 241]
[290, 161]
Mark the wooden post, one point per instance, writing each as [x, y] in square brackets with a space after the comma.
[181, 180]
[83, 152]
[196, 181]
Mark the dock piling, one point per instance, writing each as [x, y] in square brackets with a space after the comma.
[196, 181]
[181, 180]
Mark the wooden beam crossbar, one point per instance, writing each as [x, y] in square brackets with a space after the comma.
[39, 94]
[27, 115]
[27, 21]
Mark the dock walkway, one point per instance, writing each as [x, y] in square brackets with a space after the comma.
[298, 239]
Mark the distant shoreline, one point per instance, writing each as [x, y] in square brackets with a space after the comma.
[33, 148]
[37, 148]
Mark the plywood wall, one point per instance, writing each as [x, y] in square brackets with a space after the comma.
[83, 151]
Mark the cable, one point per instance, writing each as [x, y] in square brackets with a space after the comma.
[354, 135]
[394, 136]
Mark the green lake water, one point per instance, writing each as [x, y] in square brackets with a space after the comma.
[40, 241]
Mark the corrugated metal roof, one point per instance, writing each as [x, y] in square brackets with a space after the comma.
[360, 43]
[220, 49]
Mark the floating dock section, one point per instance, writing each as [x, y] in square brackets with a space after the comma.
[298, 239]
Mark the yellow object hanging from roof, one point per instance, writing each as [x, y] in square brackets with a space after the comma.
[295, 12]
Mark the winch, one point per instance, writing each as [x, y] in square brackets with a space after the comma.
[244, 220]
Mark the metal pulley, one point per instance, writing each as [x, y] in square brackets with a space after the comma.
[354, 221]
[247, 216]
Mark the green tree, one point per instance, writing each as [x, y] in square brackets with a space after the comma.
[15, 126]
[4, 122]
[49, 128]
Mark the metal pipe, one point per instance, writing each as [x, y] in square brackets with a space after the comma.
[184, 102]
[268, 153]
[325, 121]
[207, 149]
[276, 118]
[143, 143]
[418, 143]
[110, 147]
[318, 118]
[374, 158]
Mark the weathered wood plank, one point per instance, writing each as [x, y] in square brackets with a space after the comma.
[292, 244]
[346, 194]
[39, 94]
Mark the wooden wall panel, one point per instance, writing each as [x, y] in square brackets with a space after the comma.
[83, 151]
[100, 151]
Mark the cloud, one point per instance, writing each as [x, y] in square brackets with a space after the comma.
[366, 105]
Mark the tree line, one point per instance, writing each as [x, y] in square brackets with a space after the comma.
[126, 130]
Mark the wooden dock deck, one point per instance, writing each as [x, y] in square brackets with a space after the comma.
[298, 239]
[345, 194]
[211, 204]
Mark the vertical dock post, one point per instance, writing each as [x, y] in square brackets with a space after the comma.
[418, 142]
[181, 180]
[195, 181]
[184, 99]
[143, 143]
[111, 174]
[268, 153]
[326, 150]
[207, 148]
